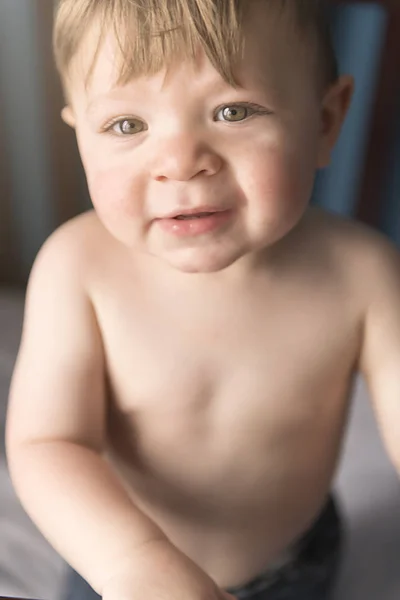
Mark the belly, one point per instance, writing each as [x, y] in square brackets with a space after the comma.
[233, 498]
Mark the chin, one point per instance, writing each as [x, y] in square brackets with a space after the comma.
[198, 261]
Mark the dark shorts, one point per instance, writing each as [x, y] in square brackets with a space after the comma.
[310, 575]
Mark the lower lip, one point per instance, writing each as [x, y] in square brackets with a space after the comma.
[196, 226]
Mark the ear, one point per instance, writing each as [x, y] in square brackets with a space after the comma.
[335, 106]
[68, 117]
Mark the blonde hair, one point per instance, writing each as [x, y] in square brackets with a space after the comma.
[152, 34]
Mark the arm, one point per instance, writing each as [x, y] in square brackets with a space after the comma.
[380, 355]
[56, 423]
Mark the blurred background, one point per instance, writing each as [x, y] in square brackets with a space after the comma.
[42, 185]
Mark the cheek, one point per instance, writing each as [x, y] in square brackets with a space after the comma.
[115, 193]
[115, 188]
[280, 177]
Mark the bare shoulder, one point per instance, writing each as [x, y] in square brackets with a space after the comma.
[369, 264]
[61, 342]
[364, 253]
[75, 248]
[79, 238]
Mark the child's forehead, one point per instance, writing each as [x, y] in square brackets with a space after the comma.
[269, 49]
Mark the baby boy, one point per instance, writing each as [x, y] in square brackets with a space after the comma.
[181, 391]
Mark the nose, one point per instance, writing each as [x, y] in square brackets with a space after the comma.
[183, 157]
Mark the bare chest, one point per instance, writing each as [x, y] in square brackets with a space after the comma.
[249, 374]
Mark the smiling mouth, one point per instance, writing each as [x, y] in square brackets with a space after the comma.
[195, 223]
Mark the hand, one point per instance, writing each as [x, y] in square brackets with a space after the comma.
[159, 571]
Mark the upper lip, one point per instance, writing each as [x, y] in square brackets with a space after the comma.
[193, 211]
